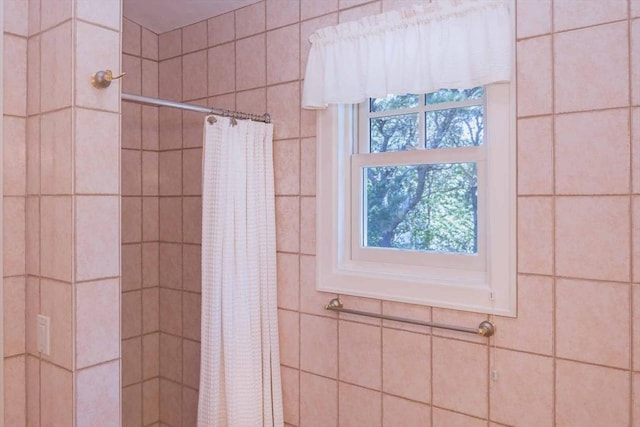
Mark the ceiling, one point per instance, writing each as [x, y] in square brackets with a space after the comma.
[161, 16]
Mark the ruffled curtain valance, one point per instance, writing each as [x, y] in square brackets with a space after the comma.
[444, 44]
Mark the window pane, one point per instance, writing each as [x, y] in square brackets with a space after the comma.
[454, 95]
[430, 207]
[394, 102]
[394, 133]
[454, 127]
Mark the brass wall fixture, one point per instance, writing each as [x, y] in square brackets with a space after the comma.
[102, 79]
[484, 329]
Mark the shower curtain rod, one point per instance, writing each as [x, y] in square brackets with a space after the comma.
[197, 108]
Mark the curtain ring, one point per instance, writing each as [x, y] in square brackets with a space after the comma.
[211, 120]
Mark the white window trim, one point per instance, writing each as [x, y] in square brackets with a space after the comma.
[492, 291]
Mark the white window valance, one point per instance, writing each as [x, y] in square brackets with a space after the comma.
[444, 44]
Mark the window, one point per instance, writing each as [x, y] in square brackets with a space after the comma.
[416, 199]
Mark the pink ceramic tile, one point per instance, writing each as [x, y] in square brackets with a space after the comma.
[635, 8]
[131, 314]
[635, 150]
[14, 236]
[636, 330]
[13, 303]
[308, 166]
[170, 44]
[16, 17]
[359, 12]
[131, 361]
[132, 406]
[457, 384]
[361, 304]
[192, 129]
[56, 228]
[171, 219]
[107, 13]
[150, 137]
[97, 322]
[131, 37]
[53, 13]
[132, 83]
[32, 308]
[33, 75]
[149, 44]
[580, 304]
[287, 224]
[290, 395]
[170, 403]
[410, 311]
[96, 404]
[250, 62]
[170, 79]
[131, 125]
[318, 401]
[635, 62]
[34, 16]
[194, 37]
[170, 265]
[306, 29]
[603, 51]
[150, 78]
[170, 128]
[97, 237]
[56, 303]
[194, 71]
[189, 407]
[579, 397]
[518, 402]
[289, 328]
[286, 164]
[635, 402]
[586, 251]
[150, 219]
[311, 8]
[87, 56]
[579, 140]
[457, 317]
[221, 28]
[535, 235]
[282, 12]
[150, 356]
[150, 264]
[191, 363]
[131, 267]
[535, 156]
[33, 391]
[55, 61]
[170, 173]
[222, 69]
[33, 155]
[344, 4]
[150, 173]
[533, 17]
[227, 101]
[312, 301]
[32, 248]
[150, 310]
[55, 152]
[192, 219]
[250, 20]
[131, 172]
[307, 123]
[288, 280]
[535, 307]
[359, 354]
[15, 156]
[319, 345]
[283, 104]
[192, 172]
[191, 275]
[150, 401]
[56, 394]
[171, 357]
[358, 406]
[406, 367]
[308, 225]
[15, 75]
[396, 411]
[283, 54]
[388, 5]
[570, 14]
[534, 73]
[191, 306]
[636, 241]
[252, 101]
[443, 418]
[171, 311]
[97, 152]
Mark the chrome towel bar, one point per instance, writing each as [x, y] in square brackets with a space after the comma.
[485, 329]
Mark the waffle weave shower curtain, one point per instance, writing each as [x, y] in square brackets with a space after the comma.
[240, 364]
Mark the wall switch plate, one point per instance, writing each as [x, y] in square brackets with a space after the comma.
[44, 344]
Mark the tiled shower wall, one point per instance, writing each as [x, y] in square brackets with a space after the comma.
[578, 69]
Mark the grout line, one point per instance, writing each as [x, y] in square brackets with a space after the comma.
[553, 215]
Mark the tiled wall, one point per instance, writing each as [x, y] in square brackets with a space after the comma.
[578, 69]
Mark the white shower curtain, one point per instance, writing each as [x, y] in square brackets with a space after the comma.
[240, 364]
